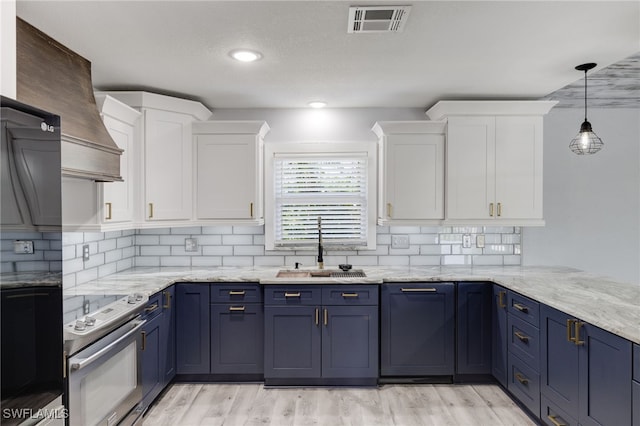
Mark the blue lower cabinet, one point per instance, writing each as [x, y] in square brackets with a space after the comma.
[499, 345]
[292, 342]
[192, 329]
[553, 415]
[152, 377]
[168, 335]
[635, 391]
[524, 384]
[237, 339]
[350, 342]
[473, 328]
[417, 329]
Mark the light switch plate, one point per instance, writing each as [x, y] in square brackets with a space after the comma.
[23, 247]
[480, 241]
[466, 241]
[85, 252]
[190, 244]
[400, 241]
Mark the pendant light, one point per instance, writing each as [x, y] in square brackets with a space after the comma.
[586, 142]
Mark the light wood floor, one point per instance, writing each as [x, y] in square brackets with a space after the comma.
[252, 404]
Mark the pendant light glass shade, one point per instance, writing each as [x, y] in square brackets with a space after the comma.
[586, 141]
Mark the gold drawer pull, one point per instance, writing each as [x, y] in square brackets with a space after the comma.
[522, 379]
[521, 308]
[577, 340]
[554, 421]
[326, 317]
[349, 294]
[418, 290]
[521, 336]
[389, 208]
[251, 210]
[236, 293]
[144, 340]
[570, 338]
[499, 209]
[108, 217]
[167, 295]
[491, 209]
[151, 308]
[150, 210]
[287, 294]
[236, 308]
[317, 316]
[501, 303]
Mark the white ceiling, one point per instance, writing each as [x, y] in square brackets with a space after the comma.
[448, 50]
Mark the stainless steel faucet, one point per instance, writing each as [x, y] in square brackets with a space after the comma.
[320, 260]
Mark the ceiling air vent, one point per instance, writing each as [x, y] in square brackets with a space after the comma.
[377, 19]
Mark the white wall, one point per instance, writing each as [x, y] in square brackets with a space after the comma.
[8, 48]
[591, 203]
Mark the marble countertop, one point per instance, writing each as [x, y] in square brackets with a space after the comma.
[30, 279]
[605, 303]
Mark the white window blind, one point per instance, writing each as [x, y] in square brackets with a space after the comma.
[333, 187]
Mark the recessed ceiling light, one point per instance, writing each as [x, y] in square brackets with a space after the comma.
[245, 55]
[317, 104]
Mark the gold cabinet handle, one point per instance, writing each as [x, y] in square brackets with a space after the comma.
[144, 340]
[418, 290]
[250, 209]
[491, 209]
[236, 292]
[167, 297]
[326, 317]
[150, 210]
[499, 209]
[108, 216]
[501, 303]
[570, 338]
[236, 308]
[151, 308]
[521, 378]
[349, 294]
[317, 316]
[554, 421]
[521, 308]
[287, 294]
[577, 324]
[389, 209]
[521, 336]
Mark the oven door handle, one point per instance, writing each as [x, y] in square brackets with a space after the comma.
[90, 359]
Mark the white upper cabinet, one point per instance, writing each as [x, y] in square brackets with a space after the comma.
[229, 177]
[91, 206]
[494, 161]
[411, 172]
[166, 156]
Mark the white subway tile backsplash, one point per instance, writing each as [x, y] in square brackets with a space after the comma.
[424, 260]
[106, 245]
[487, 260]
[209, 240]
[154, 231]
[155, 250]
[248, 251]
[187, 230]
[236, 240]
[147, 261]
[424, 238]
[393, 260]
[404, 229]
[456, 260]
[237, 261]
[147, 240]
[206, 261]
[268, 261]
[220, 230]
[173, 240]
[175, 261]
[250, 230]
[362, 260]
[217, 250]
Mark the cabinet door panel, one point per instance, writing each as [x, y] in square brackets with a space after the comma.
[415, 159]
[470, 167]
[350, 342]
[292, 342]
[168, 342]
[524, 341]
[151, 372]
[218, 157]
[192, 329]
[559, 358]
[417, 329]
[237, 339]
[499, 338]
[119, 195]
[519, 167]
[474, 328]
[605, 377]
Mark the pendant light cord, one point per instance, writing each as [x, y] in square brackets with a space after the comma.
[585, 95]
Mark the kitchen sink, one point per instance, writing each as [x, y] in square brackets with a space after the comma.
[318, 273]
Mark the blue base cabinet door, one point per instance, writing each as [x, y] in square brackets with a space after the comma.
[292, 338]
[605, 373]
[417, 329]
[192, 329]
[350, 341]
[168, 336]
[473, 354]
[237, 339]
[499, 335]
[151, 354]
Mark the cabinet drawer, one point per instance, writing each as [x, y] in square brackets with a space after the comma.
[418, 289]
[523, 308]
[524, 341]
[552, 415]
[153, 308]
[524, 384]
[636, 363]
[236, 293]
[635, 401]
[292, 295]
[350, 295]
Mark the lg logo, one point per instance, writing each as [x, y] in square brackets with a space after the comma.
[46, 127]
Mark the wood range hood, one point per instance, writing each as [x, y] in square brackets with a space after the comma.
[53, 78]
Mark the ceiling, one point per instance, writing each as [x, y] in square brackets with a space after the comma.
[448, 49]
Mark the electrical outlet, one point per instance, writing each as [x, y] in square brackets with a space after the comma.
[85, 252]
[480, 241]
[23, 247]
[466, 241]
[400, 241]
[85, 307]
[190, 244]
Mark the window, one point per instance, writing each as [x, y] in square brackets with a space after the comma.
[330, 181]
